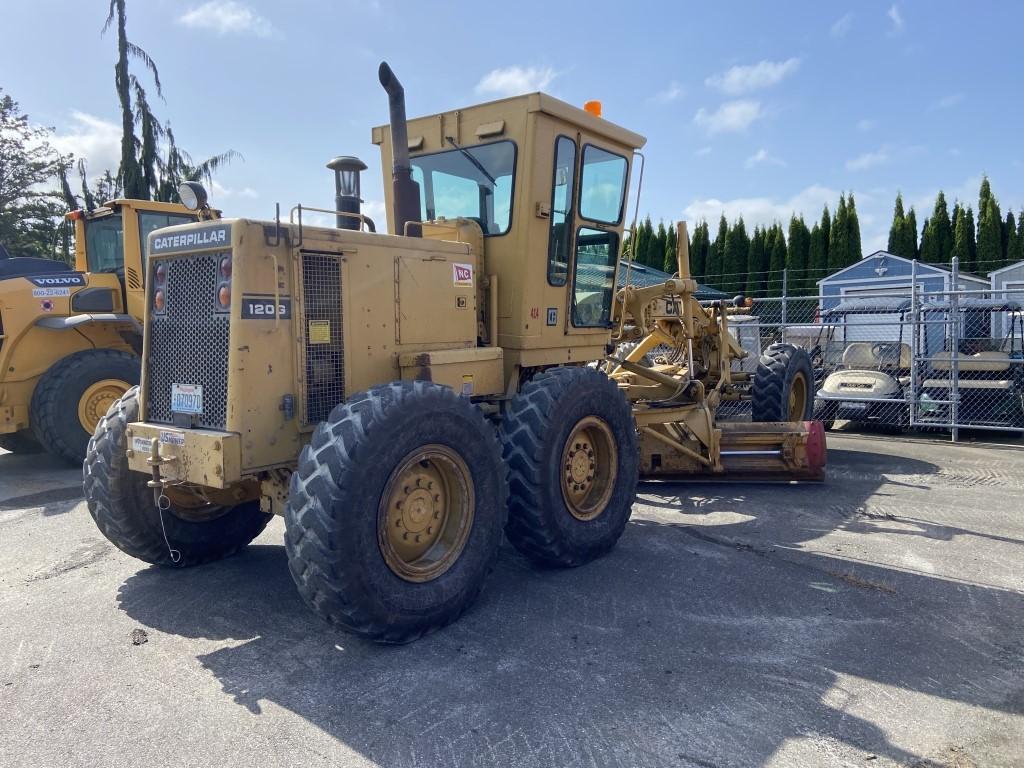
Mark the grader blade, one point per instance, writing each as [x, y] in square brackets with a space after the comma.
[750, 452]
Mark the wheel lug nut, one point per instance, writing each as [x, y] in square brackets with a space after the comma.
[417, 539]
[405, 535]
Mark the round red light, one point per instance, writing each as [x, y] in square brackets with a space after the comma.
[158, 301]
[225, 267]
[224, 295]
[161, 273]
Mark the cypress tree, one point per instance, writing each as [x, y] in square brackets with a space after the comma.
[826, 234]
[910, 225]
[656, 247]
[990, 237]
[961, 239]
[839, 243]
[797, 255]
[639, 242]
[984, 194]
[670, 265]
[777, 261]
[937, 241]
[898, 230]
[716, 253]
[755, 256]
[855, 252]
[1013, 241]
[699, 250]
[817, 258]
[972, 245]
[1009, 227]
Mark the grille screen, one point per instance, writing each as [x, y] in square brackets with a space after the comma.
[188, 344]
[324, 353]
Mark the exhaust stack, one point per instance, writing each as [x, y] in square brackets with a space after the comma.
[406, 192]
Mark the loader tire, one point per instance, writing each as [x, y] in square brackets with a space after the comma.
[783, 388]
[20, 442]
[125, 511]
[571, 447]
[825, 412]
[71, 398]
[395, 513]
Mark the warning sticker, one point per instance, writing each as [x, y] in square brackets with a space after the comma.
[467, 384]
[462, 275]
[319, 331]
[50, 293]
[140, 445]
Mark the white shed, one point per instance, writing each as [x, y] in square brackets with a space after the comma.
[1007, 283]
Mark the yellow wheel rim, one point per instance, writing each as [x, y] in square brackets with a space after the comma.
[798, 398]
[589, 468]
[96, 401]
[426, 513]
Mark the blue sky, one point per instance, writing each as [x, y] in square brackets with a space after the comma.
[752, 108]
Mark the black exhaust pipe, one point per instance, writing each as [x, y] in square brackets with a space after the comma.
[406, 192]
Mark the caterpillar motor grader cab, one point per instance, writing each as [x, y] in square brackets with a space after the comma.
[70, 340]
[403, 399]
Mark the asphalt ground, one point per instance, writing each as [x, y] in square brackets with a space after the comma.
[874, 620]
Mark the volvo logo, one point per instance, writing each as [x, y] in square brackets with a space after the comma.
[57, 280]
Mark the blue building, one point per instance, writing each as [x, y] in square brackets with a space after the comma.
[883, 274]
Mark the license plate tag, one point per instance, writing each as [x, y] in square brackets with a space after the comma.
[854, 406]
[187, 398]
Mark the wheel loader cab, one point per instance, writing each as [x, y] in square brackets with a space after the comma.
[546, 183]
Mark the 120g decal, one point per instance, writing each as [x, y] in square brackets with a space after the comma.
[263, 307]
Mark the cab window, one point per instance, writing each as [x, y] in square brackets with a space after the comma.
[603, 185]
[104, 244]
[560, 236]
[149, 221]
[594, 277]
[471, 182]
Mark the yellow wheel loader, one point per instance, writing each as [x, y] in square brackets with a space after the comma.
[70, 339]
[405, 399]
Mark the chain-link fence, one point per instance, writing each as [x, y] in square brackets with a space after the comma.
[907, 360]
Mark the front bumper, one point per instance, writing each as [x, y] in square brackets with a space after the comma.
[200, 456]
[847, 408]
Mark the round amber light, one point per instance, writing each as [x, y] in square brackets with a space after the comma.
[225, 267]
[158, 301]
[224, 295]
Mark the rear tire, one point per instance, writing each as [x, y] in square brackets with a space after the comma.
[20, 442]
[825, 412]
[124, 509]
[555, 517]
[71, 398]
[366, 491]
[783, 388]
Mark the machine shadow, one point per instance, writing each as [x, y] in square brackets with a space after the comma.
[674, 649]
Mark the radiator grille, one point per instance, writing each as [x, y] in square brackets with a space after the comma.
[188, 344]
[323, 349]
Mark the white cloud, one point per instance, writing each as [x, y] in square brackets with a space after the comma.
[866, 124]
[947, 102]
[743, 79]
[761, 157]
[896, 18]
[703, 152]
[227, 17]
[765, 210]
[512, 81]
[220, 191]
[842, 26]
[92, 138]
[673, 92]
[732, 116]
[868, 160]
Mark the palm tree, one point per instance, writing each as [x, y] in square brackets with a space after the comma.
[131, 172]
[179, 166]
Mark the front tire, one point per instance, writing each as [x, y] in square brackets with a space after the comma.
[396, 511]
[571, 447]
[72, 397]
[783, 385]
[125, 511]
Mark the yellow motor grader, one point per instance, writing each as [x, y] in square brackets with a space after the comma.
[404, 400]
[70, 339]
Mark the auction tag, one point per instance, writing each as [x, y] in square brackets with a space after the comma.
[172, 438]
